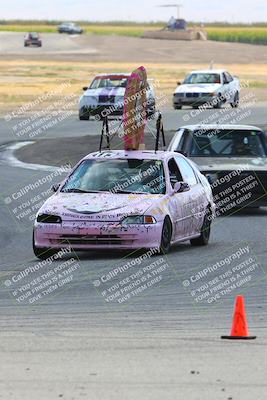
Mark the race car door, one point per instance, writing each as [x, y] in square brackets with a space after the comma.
[196, 196]
[179, 204]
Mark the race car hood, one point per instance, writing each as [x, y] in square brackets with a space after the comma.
[231, 163]
[198, 88]
[98, 206]
[118, 91]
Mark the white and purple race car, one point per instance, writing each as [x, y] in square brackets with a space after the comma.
[105, 97]
[126, 200]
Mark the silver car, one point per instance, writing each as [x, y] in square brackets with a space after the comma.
[233, 158]
[70, 28]
[212, 87]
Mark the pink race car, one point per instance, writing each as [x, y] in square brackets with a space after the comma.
[126, 200]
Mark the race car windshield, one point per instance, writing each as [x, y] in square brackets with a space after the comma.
[108, 83]
[202, 78]
[117, 176]
[227, 143]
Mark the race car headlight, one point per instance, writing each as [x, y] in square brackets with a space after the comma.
[139, 219]
[212, 94]
[120, 101]
[90, 99]
[49, 219]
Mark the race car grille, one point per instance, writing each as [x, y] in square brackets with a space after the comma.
[106, 99]
[192, 95]
[95, 239]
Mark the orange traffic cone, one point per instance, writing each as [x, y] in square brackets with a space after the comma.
[240, 325]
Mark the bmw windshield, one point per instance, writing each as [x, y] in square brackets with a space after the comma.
[200, 78]
[228, 143]
[117, 176]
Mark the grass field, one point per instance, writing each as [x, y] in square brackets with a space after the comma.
[253, 35]
[228, 33]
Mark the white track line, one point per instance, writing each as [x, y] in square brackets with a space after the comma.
[7, 157]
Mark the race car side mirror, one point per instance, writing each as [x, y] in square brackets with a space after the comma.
[55, 187]
[85, 88]
[181, 187]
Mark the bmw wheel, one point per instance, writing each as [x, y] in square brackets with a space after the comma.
[219, 102]
[235, 103]
[84, 115]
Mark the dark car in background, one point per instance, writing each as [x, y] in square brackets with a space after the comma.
[70, 28]
[233, 158]
[32, 39]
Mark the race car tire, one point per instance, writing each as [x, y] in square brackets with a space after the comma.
[84, 115]
[151, 112]
[43, 253]
[204, 237]
[218, 103]
[235, 103]
[177, 107]
[166, 236]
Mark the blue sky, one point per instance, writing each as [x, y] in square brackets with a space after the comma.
[138, 10]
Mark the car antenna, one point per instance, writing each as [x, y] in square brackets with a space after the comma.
[160, 130]
[105, 131]
[211, 64]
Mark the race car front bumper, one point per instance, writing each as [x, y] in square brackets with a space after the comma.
[193, 99]
[101, 111]
[95, 235]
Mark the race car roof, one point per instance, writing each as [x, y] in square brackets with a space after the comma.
[112, 76]
[218, 126]
[136, 154]
[208, 71]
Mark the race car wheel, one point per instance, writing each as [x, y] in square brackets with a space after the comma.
[218, 103]
[151, 112]
[84, 115]
[235, 103]
[42, 252]
[203, 239]
[177, 107]
[166, 236]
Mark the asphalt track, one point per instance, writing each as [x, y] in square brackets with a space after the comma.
[254, 114]
[159, 344]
